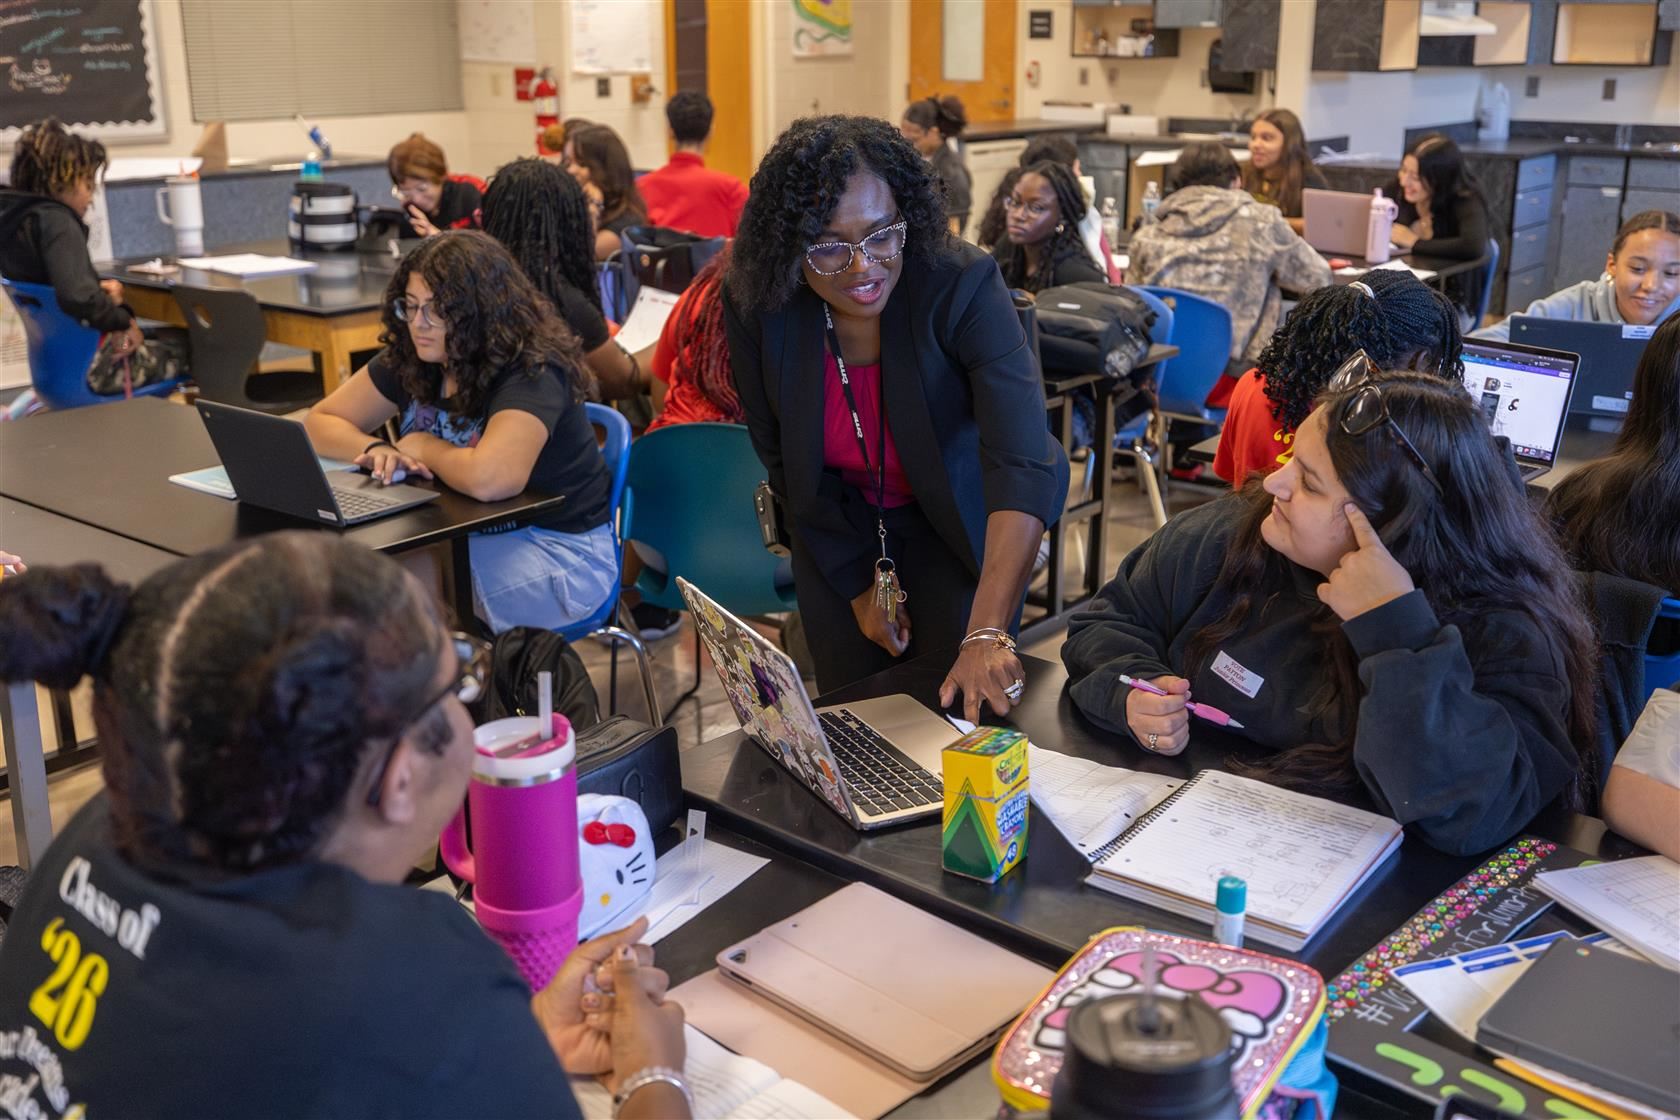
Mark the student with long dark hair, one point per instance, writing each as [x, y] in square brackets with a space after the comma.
[888, 387]
[693, 380]
[1394, 615]
[1621, 514]
[1400, 323]
[1278, 166]
[1042, 245]
[282, 731]
[930, 124]
[1640, 285]
[595, 156]
[1443, 213]
[1054, 148]
[540, 214]
[487, 387]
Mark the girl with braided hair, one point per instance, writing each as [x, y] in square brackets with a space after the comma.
[541, 216]
[283, 730]
[1043, 247]
[1402, 323]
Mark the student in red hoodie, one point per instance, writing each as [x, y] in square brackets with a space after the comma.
[685, 193]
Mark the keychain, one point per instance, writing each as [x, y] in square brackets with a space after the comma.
[887, 592]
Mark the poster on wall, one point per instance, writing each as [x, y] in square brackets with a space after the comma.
[93, 65]
[498, 30]
[822, 28]
[614, 36]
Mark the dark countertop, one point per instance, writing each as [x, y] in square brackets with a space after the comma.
[1520, 149]
[1005, 130]
[276, 165]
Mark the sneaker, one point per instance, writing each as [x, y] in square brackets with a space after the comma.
[653, 623]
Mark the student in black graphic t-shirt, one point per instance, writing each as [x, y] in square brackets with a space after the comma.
[487, 390]
[224, 931]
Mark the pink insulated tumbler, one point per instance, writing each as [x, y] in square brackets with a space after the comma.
[523, 864]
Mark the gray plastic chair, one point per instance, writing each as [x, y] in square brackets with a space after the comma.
[226, 332]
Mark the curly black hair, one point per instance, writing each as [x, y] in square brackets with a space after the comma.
[1400, 322]
[50, 159]
[797, 186]
[498, 324]
[541, 215]
[689, 113]
[1064, 239]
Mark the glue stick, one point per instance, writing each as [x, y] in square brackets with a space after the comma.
[1228, 910]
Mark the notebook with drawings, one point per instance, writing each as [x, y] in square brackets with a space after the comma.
[1637, 901]
[1302, 856]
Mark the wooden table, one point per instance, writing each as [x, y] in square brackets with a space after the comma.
[334, 310]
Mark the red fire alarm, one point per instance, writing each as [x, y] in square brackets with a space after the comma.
[522, 78]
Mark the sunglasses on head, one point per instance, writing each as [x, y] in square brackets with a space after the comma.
[1368, 409]
[473, 655]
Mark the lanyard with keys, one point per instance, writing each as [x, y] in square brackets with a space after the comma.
[888, 594]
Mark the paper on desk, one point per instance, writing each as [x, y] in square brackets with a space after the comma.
[1398, 265]
[646, 319]
[150, 167]
[215, 482]
[1089, 803]
[725, 1086]
[681, 891]
[1637, 900]
[249, 264]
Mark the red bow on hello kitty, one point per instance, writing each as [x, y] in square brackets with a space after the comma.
[597, 833]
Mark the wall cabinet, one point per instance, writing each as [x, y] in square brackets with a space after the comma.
[1590, 33]
[1366, 35]
[1251, 33]
[1103, 29]
[1188, 13]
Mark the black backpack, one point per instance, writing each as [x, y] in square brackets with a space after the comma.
[1092, 326]
[516, 657]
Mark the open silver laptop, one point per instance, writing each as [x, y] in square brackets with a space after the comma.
[1336, 221]
[271, 464]
[875, 762]
[1525, 391]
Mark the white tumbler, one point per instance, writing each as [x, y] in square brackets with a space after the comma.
[185, 214]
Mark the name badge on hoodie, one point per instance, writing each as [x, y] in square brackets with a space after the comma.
[1229, 670]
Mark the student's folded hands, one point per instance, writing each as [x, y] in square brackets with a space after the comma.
[581, 1012]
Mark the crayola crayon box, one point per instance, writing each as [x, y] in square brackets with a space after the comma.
[984, 825]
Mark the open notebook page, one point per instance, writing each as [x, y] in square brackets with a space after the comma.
[1637, 900]
[1089, 803]
[1300, 855]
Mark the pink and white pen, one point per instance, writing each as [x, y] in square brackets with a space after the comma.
[1206, 711]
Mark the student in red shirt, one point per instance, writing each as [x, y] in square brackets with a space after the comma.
[691, 372]
[685, 194]
[1399, 321]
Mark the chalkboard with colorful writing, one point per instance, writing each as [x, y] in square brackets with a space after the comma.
[90, 63]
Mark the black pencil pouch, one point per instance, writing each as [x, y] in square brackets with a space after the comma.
[627, 758]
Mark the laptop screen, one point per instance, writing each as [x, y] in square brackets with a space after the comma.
[1525, 392]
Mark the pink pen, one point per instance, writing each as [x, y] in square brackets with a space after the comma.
[1206, 711]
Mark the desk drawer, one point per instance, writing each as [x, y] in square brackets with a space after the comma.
[1532, 208]
[1528, 248]
[1536, 172]
[1597, 171]
[1654, 174]
[1523, 288]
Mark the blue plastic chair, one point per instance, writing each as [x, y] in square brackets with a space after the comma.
[61, 350]
[1491, 265]
[616, 451]
[609, 281]
[1663, 669]
[1201, 329]
[691, 488]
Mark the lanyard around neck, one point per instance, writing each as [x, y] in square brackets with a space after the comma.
[857, 420]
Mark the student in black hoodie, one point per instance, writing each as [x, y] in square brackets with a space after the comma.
[1385, 611]
[43, 240]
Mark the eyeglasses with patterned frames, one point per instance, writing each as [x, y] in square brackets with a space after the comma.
[830, 258]
[473, 655]
[1368, 409]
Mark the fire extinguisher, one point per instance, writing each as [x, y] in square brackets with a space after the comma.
[545, 99]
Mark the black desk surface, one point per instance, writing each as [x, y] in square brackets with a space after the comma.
[108, 466]
[45, 538]
[1442, 267]
[341, 283]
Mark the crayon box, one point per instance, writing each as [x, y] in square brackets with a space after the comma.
[984, 826]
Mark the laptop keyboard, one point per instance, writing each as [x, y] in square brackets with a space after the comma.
[882, 779]
[359, 503]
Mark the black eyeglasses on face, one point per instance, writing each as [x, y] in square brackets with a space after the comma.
[473, 655]
[1368, 409]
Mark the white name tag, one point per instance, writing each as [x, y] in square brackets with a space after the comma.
[1633, 330]
[1227, 669]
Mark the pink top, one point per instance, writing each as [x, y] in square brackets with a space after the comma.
[840, 445]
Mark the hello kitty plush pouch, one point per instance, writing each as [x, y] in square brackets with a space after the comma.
[1272, 1006]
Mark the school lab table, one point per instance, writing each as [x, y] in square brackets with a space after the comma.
[333, 310]
[1442, 267]
[1042, 909]
[43, 538]
[108, 466]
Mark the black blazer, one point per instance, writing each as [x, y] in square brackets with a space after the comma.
[964, 402]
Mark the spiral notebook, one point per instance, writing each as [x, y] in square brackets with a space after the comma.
[1302, 856]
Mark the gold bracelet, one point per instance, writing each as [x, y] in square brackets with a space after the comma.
[1000, 638]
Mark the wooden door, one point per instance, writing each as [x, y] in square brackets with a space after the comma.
[708, 47]
[993, 97]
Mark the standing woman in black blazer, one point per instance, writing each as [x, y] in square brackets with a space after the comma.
[846, 290]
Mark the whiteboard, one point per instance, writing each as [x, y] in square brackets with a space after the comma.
[497, 30]
[614, 36]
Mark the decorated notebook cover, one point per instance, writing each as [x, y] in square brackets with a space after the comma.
[1270, 1004]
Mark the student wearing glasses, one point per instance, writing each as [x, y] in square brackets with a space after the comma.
[487, 386]
[1042, 245]
[432, 198]
[889, 390]
[224, 929]
[1385, 614]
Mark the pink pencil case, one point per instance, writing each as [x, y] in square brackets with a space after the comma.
[1271, 1005]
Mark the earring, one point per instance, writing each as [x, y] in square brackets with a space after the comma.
[1060, 226]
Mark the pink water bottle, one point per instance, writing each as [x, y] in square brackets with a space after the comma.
[524, 859]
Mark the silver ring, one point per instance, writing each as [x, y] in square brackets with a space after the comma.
[1015, 690]
[1152, 737]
